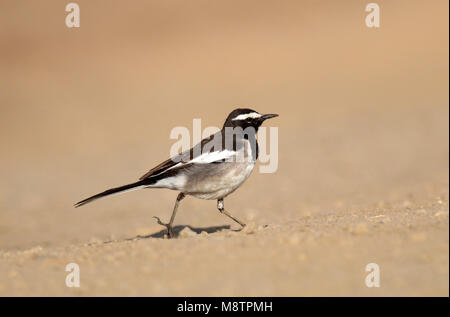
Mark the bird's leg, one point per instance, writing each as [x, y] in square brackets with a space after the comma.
[222, 210]
[170, 232]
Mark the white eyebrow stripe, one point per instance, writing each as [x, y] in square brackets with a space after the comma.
[244, 116]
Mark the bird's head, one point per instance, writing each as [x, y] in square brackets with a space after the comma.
[245, 118]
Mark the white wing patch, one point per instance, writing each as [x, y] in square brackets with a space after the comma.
[179, 181]
[204, 158]
[210, 157]
[244, 116]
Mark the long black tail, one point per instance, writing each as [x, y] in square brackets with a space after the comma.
[112, 191]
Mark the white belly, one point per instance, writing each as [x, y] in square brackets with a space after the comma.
[222, 184]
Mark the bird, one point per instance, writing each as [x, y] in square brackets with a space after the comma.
[212, 169]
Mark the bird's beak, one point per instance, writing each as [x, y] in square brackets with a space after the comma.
[268, 116]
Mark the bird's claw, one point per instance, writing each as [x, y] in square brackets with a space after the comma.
[170, 232]
[159, 221]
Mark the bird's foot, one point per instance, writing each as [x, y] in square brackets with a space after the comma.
[170, 233]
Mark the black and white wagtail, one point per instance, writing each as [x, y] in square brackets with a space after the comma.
[212, 169]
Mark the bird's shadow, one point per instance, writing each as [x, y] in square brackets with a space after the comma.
[177, 229]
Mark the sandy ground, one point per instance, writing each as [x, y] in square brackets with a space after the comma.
[363, 147]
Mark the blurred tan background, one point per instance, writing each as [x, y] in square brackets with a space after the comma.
[363, 145]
